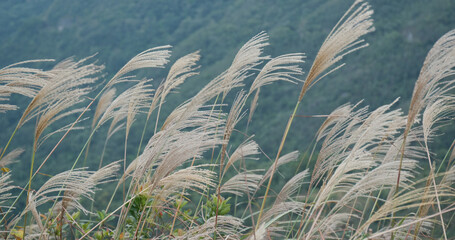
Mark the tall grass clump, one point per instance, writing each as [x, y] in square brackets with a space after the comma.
[371, 174]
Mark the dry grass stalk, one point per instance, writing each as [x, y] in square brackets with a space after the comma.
[247, 58]
[226, 228]
[357, 162]
[241, 183]
[5, 187]
[16, 79]
[341, 41]
[243, 151]
[193, 178]
[103, 103]
[11, 157]
[432, 82]
[182, 69]
[126, 104]
[292, 156]
[282, 68]
[235, 115]
[75, 184]
[68, 79]
[156, 57]
[253, 105]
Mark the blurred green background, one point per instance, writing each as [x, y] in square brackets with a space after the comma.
[118, 30]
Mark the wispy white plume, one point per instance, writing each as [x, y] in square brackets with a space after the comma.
[227, 227]
[245, 150]
[156, 57]
[282, 68]
[344, 39]
[241, 183]
[292, 156]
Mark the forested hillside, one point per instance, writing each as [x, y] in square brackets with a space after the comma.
[117, 30]
[371, 170]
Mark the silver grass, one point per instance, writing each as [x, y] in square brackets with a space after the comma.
[412, 151]
[65, 128]
[253, 105]
[354, 150]
[33, 232]
[434, 82]
[336, 120]
[32, 206]
[439, 111]
[6, 107]
[241, 183]
[449, 177]
[67, 80]
[182, 69]
[431, 83]
[136, 104]
[291, 187]
[234, 116]
[292, 156]
[180, 141]
[5, 194]
[407, 199]
[103, 103]
[120, 108]
[283, 208]
[282, 68]
[247, 58]
[381, 177]
[20, 75]
[243, 151]
[188, 146]
[193, 178]
[435, 112]
[226, 228]
[185, 111]
[345, 175]
[361, 132]
[190, 115]
[11, 157]
[5, 188]
[331, 227]
[407, 232]
[156, 57]
[15, 79]
[74, 184]
[452, 156]
[156, 98]
[344, 38]
[336, 132]
[265, 232]
[105, 174]
[55, 112]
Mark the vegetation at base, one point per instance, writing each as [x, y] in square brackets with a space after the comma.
[187, 167]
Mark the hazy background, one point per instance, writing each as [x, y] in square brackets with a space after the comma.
[118, 30]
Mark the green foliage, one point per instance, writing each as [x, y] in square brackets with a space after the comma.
[217, 205]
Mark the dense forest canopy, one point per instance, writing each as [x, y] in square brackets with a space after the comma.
[116, 31]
